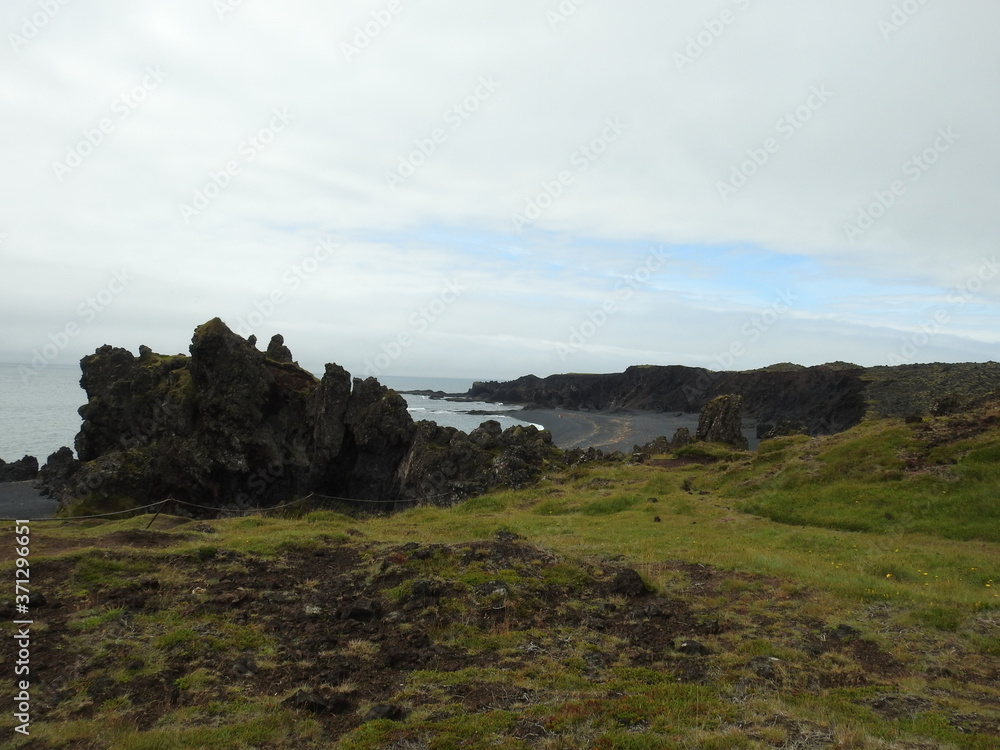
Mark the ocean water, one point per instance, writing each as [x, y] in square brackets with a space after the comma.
[451, 413]
[38, 410]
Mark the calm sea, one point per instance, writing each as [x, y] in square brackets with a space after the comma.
[38, 411]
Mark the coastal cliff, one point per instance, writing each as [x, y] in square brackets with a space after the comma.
[816, 400]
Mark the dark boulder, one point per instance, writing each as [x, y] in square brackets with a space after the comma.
[629, 583]
[487, 435]
[681, 437]
[56, 476]
[692, 648]
[22, 470]
[277, 350]
[385, 712]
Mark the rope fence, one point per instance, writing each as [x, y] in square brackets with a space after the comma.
[230, 512]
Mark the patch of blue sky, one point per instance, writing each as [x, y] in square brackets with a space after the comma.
[732, 274]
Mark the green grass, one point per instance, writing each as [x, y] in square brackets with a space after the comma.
[797, 536]
[865, 480]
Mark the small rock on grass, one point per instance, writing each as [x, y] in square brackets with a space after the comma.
[386, 711]
[629, 583]
[693, 648]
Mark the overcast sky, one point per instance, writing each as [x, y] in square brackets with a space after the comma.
[488, 189]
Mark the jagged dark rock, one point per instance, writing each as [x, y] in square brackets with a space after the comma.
[681, 437]
[57, 473]
[22, 470]
[277, 350]
[721, 422]
[230, 426]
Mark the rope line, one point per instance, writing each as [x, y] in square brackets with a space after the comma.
[85, 518]
[245, 511]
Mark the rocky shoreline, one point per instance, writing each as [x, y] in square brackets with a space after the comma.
[230, 426]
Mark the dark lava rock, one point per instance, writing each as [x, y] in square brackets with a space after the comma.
[711, 627]
[424, 589]
[37, 599]
[314, 703]
[493, 588]
[629, 583]
[231, 426]
[277, 350]
[57, 472]
[363, 610]
[692, 648]
[487, 435]
[765, 667]
[23, 470]
[843, 633]
[721, 422]
[681, 437]
[386, 712]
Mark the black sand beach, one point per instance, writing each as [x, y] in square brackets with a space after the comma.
[18, 500]
[609, 432]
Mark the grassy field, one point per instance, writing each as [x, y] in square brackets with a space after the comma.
[839, 592]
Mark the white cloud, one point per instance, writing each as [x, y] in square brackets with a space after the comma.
[655, 185]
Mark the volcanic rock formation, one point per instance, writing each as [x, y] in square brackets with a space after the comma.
[230, 426]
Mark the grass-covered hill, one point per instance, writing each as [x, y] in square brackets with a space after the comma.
[836, 592]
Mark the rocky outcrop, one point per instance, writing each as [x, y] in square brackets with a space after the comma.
[814, 400]
[277, 350]
[57, 473]
[230, 426]
[824, 398]
[22, 470]
[721, 422]
[682, 437]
